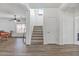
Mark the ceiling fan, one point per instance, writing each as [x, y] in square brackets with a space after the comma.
[15, 19]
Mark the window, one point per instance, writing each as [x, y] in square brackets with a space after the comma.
[32, 12]
[40, 11]
[21, 28]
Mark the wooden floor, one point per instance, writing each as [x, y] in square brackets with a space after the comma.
[15, 47]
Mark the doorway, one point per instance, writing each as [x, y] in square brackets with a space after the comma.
[76, 31]
[36, 16]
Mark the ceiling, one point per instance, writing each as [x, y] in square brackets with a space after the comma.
[70, 7]
[10, 9]
[44, 5]
[20, 8]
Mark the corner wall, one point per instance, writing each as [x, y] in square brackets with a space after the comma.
[66, 28]
[28, 28]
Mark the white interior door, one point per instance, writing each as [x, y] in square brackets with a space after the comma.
[51, 30]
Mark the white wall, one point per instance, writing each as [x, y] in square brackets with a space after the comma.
[51, 27]
[6, 25]
[68, 28]
[76, 28]
[60, 27]
[36, 20]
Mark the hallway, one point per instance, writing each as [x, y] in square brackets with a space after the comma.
[16, 47]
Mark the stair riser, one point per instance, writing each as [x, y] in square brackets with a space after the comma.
[37, 40]
[37, 32]
[37, 35]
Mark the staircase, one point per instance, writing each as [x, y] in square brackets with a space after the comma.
[37, 36]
